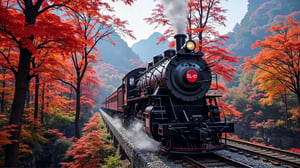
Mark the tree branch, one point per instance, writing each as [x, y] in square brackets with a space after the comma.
[7, 60]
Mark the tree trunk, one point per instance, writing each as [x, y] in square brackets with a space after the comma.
[77, 126]
[298, 107]
[43, 104]
[200, 36]
[36, 98]
[70, 97]
[284, 99]
[3, 97]
[28, 96]
[17, 110]
[3, 92]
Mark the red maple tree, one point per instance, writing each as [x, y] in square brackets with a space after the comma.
[92, 28]
[277, 65]
[28, 29]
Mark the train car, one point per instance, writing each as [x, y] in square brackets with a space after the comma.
[170, 97]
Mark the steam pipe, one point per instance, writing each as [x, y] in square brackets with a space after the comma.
[180, 40]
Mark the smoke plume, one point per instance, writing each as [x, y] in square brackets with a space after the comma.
[176, 11]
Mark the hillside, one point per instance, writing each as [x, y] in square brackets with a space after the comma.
[260, 16]
[148, 48]
[118, 55]
[117, 59]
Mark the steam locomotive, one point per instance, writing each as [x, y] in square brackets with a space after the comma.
[170, 97]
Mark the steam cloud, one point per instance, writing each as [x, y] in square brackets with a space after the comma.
[137, 133]
[141, 139]
[176, 11]
[117, 122]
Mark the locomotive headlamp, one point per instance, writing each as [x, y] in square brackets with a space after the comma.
[190, 45]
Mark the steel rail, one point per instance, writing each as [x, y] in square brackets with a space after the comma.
[277, 155]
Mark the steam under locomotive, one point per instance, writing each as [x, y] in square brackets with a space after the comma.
[170, 98]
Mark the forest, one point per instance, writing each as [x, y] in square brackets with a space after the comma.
[53, 77]
[266, 86]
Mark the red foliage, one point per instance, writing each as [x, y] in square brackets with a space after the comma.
[37, 39]
[295, 150]
[202, 28]
[172, 44]
[56, 133]
[85, 151]
[233, 136]
[277, 66]
[5, 132]
[228, 110]
[258, 143]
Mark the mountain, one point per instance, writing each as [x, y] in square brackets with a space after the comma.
[148, 48]
[119, 55]
[118, 60]
[260, 16]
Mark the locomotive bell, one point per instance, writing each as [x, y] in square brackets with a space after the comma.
[169, 53]
[157, 58]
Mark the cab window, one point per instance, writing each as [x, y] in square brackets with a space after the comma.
[131, 81]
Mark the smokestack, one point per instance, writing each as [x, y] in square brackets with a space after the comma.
[180, 40]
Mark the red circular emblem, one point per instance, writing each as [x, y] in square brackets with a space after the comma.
[191, 76]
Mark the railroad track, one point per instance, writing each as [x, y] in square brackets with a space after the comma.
[276, 156]
[211, 160]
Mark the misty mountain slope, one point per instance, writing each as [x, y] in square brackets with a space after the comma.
[261, 15]
[148, 48]
[119, 55]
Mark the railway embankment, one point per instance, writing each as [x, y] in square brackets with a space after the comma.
[140, 151]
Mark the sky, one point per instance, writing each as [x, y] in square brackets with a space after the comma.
[135, 14]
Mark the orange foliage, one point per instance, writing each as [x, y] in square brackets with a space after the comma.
[24, 150]
[31, 133]
[294, 114]
[277, 66]
[5, 132]
[233, 136]
[85, 151]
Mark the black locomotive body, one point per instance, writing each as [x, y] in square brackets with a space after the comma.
[170, 98]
